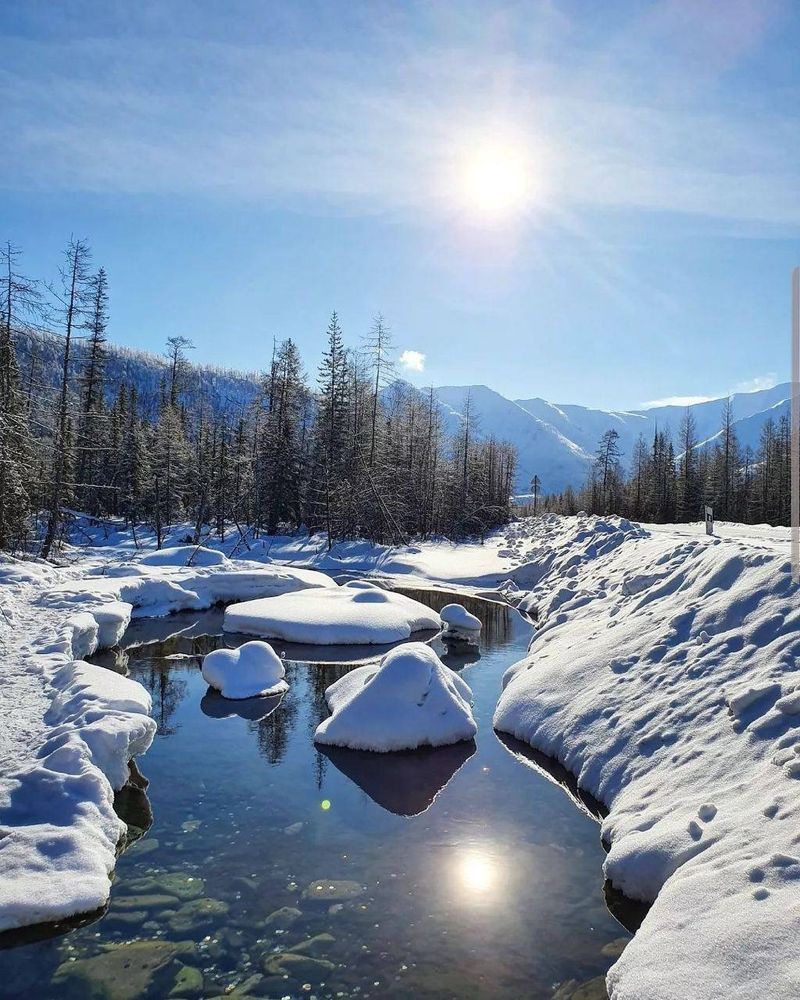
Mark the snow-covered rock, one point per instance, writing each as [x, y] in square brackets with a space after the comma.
[410, 699]
[663, 676]
[358, 613]
[252, 670]
[460, 625]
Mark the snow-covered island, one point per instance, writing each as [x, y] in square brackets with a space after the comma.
[460, 625]
[253, 670]
[408, 700]
[357, 613]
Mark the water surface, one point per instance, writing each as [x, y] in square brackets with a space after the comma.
[456, 872]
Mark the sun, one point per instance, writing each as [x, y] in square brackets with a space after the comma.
[496, 182]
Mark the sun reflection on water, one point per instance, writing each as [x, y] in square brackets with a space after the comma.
[477, 872]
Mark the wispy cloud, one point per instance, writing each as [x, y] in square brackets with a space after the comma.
[413, 361]
[757, 383]
[376, 125]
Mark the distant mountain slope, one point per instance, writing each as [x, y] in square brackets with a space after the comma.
[542, 448]
[554, 441]
[223, 390]
[557, 441]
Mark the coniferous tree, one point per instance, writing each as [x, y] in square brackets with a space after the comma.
[72, 302]
[20, 302]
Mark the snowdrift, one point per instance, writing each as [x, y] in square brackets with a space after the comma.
[664, 676]
[358, 613]
[410, 699]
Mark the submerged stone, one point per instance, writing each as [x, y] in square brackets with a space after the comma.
[125, 918]
[303, 967]
[332, 890]
[188, 982]
[126, 971]
[615, 948]
[594, 989]
[179, 885]
[144, 901]
[196, 914]
[282, 919]
[320, 944]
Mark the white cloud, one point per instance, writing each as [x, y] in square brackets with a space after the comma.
[757, 383]
[677, 401]
[413, 361]
[754, 384]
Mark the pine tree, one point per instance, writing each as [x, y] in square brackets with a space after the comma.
[93, 416]
[689, 486]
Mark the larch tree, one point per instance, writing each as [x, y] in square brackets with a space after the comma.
[72, 300]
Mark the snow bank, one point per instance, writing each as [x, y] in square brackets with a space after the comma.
[358, 613]
[58, 828]
[183, 555]
[664, 676]
[411, 699]
[459, 624]
[252, 670]
[156, 591]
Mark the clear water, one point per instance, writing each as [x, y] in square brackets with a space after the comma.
[467, 871]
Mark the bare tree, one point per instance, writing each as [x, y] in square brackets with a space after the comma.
[71, 304]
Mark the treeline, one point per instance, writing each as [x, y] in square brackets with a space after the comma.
[357, 455]
[672, 481]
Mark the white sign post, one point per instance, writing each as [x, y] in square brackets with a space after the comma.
[709, 520]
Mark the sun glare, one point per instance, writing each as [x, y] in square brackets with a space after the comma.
[497, 182]
[476, 872]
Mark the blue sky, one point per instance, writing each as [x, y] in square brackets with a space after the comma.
[242, 169]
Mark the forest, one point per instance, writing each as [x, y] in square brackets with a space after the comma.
[357, 454]
[666, 481]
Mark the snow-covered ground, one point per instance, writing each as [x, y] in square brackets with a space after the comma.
[663, 674]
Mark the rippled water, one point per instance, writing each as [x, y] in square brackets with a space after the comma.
[273, 868]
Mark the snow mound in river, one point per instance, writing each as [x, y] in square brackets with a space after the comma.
[252, 670]
[411, 699]
[459, 624]
[358, 613]
[664, 676]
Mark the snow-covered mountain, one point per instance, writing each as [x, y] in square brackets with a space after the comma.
[554, 441]
[557, 441]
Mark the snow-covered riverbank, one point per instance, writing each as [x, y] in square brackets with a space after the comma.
[69, 728]
[663, 675]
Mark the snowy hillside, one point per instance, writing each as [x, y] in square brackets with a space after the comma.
[557, 441]
[226, 391]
